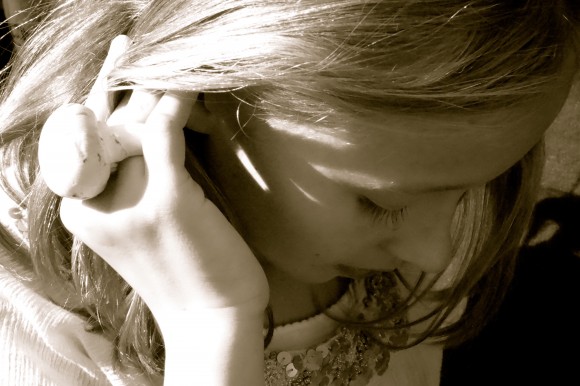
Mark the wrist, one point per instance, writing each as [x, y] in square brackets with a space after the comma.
[211, 323]
[220, 347]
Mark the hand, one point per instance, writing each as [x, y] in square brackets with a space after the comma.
[152, 223]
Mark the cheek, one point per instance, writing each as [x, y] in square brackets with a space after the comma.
[298, 224]
[301, 221]
[301, 216]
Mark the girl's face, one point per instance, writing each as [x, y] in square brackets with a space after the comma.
[378, 194]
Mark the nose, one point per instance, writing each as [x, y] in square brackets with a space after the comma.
[424, 240]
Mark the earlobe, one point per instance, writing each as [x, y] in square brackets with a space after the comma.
[201, 119]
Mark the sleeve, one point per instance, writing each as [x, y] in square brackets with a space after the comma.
[44, 344]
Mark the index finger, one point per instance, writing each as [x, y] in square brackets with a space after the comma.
[99, 99]
[162, 140]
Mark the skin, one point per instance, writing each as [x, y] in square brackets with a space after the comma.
[302, 216]
[153, 225]
[300, 212]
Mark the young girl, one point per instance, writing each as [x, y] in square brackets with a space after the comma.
[345, 183]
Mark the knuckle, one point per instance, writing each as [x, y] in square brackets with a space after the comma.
[162, 120]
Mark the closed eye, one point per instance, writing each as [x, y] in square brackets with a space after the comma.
[378, 214]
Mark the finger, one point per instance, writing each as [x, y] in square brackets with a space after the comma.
[87, 219]
[163, 141]
[200, 119]
[99, 99]
[135, 107]
[127, 120]
[124, 188]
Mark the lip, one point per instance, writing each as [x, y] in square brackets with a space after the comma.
[355, 273]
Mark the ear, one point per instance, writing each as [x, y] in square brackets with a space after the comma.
[201, 119]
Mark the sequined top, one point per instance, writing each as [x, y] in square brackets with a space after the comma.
[351, 355]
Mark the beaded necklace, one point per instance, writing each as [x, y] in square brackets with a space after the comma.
[354, 354]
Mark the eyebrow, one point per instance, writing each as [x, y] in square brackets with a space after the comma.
[369, 182]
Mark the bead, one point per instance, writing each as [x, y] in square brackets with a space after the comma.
[15, 213]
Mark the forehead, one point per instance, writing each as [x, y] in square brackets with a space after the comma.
[423, 150]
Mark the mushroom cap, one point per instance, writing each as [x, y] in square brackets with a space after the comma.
[70, 153]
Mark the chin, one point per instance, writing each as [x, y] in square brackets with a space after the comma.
[321, 278]
[301, 274]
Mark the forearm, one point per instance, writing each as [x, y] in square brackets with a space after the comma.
[210, 348]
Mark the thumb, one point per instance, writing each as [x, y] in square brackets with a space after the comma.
[163, 142]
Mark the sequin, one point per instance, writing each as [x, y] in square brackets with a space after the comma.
[291, 371]
[323, 349]
[284, 358]
[313, 360]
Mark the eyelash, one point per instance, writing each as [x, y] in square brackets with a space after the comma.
[381, 215]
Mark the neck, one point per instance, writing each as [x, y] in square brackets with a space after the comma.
[292, 300]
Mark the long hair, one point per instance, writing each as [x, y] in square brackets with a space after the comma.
[309, 60]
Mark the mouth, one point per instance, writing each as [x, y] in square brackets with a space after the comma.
[355, 273]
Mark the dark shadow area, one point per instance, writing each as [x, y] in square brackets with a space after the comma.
[535, 337]
[5, 41]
